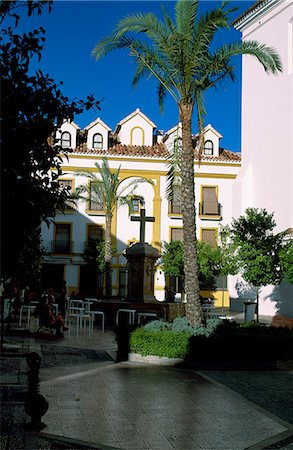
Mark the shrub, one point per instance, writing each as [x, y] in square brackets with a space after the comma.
[232, 342]
[168, 339]
[164, 343]
[180, 324]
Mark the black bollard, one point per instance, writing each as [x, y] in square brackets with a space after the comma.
[36, 404]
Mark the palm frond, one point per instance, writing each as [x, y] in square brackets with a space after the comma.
[205, 30]
[87, 173]
[201, 112]
[133, 183]
[174, 179]
[155, 64]
[109, 44]
[267, 56]
[127, 200]
[185, 15]
[168, 21]
[147, 23]
[161, 95]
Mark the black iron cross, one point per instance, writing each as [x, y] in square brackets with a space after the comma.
[142, 219]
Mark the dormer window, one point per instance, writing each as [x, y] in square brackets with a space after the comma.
[98, 141]
[66, 139]
[208, 148]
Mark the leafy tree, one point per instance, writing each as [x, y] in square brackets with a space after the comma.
[104, 186]
[173, 260]
[180, 55]
[33, 107]
[257, 248]
[286, 259]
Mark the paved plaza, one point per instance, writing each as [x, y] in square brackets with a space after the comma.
[98, 403]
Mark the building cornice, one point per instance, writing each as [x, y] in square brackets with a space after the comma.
[254, 12]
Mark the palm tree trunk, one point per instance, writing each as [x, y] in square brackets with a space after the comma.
[108, 255]
[193, 306]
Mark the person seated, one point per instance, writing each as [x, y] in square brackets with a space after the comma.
[49, 319]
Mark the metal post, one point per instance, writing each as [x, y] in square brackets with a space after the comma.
[36, 404]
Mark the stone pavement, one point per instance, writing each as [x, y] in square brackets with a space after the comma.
[102, 404]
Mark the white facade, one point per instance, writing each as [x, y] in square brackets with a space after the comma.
[217, 173]
[99, 129]
[136, 129]
[265, 179]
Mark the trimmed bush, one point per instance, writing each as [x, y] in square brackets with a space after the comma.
[181, 324]
[160, 338]
[171, 344]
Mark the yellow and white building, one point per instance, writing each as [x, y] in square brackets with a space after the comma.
[140, 150]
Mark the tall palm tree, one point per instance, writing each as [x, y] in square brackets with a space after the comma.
[180, 55]
[105, 188]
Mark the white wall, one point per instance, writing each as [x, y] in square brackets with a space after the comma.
[136, 131]
[101, 129]
[267, 120]
[265, 179]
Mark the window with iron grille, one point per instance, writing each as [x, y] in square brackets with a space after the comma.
[135, 203]
[95, 201]
[208, 148]
[95, 233]
[66, 139]
[175, 204]
[67, 185]
[62, 242]
[97, 141]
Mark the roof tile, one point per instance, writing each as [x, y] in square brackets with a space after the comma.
[155, 151]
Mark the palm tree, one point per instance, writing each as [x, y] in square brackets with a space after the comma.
[180, 55]
[104, 188]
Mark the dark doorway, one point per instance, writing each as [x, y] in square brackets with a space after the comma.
[52, 275]
[91, 283]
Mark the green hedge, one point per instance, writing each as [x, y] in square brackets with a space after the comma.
[171, 344]
[232, 342]
[229, 342]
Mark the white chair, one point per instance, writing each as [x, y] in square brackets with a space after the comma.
[146, 314]
[100, 314]
[82, 320]
[28, 309]
[71, 304]
[129, 312]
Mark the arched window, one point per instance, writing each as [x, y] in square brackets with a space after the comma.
[208, 148]
[66, 139]
[97, 141]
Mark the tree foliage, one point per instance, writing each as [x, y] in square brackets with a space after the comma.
[286, 259]
[257, 247]
[33, 107]
[209, 260]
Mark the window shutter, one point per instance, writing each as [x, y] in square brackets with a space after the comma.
[209, 237]
[176, 234]
[95, 233]
[210, 201]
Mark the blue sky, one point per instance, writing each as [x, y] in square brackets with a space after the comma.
[72, 30]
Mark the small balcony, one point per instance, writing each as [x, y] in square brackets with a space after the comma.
[210, 211]
[62, 247]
